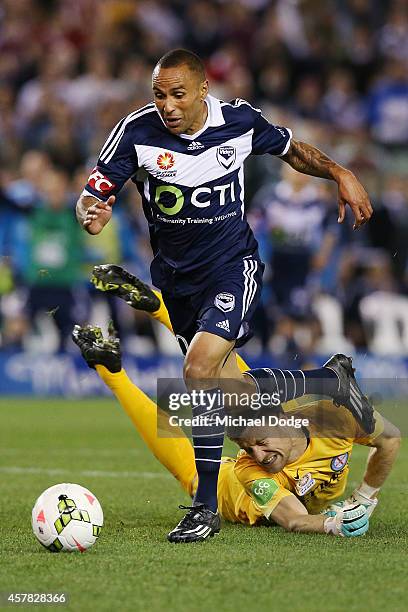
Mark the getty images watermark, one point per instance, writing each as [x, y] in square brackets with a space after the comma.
[216, 397]
[225, 403]
[211, 401]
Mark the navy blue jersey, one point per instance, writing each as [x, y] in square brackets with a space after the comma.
[192, 186]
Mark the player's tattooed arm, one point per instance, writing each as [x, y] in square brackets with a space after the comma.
[308, 159]
[93, 214]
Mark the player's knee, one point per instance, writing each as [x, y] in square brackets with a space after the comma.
[198, 367]
[391, 441]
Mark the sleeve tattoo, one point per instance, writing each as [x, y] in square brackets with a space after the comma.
[307, 159]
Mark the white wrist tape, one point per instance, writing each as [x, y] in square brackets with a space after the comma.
[332, 525]
[366, 491]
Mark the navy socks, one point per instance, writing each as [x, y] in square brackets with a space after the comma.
[208, 440]
[294, 383]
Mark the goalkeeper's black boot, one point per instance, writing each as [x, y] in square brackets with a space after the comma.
[115, 280]
[199, 524]
[96, 350]
[349, 393]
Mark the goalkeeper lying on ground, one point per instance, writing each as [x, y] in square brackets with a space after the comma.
[291, 479]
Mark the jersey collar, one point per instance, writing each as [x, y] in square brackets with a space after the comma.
[214, 117]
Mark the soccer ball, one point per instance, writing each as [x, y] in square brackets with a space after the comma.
[67, 518]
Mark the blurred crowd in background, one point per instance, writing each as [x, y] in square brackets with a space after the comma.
[334, 71]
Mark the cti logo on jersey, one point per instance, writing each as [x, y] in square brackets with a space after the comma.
[226, 156]
[225, 302]
[99, 182]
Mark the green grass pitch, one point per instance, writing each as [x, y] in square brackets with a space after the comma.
[133, 567]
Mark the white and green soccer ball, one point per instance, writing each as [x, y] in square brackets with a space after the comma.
[67, 518]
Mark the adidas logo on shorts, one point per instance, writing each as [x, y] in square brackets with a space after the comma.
[223, 325]
[195, 145]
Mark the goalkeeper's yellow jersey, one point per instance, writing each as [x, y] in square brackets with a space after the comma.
[247, 493]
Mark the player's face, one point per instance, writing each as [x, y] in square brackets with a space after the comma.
[272, 454]
[179, 97]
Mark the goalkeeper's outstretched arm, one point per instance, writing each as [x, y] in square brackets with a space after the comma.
[291, 514]
[382, 456]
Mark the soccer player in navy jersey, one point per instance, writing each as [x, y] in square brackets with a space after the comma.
[185, 153]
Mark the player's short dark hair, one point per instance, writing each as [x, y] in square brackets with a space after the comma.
[180, 57]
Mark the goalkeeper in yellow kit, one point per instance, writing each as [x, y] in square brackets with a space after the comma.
[292, 477]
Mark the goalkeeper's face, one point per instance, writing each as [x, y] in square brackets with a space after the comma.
[272, 454]
[179, 95]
